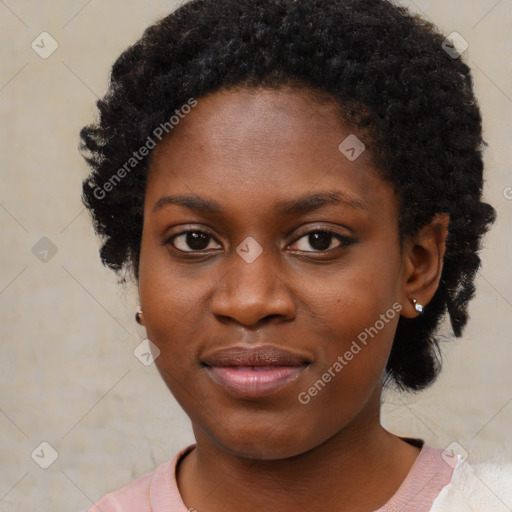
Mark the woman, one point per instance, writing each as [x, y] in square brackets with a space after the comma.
[296, 187]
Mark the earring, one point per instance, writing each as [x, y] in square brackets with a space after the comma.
[138, 316]
[417, 306]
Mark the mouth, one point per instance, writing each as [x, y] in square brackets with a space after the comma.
[254, 372]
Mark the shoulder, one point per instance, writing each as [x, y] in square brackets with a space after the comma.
[153, 491]
[134, 496]
[477, 488]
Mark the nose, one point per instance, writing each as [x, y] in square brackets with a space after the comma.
[251, 293]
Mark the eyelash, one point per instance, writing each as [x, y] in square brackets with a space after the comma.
[344, 241]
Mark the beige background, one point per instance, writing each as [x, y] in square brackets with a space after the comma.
[68, 374]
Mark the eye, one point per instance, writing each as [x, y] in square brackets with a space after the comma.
[192, 241]
[321, 240]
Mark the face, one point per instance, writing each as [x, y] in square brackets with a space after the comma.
[269, 273]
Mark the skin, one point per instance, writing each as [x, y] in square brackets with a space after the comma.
[247, 150]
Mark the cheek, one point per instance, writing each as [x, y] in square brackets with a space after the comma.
[167, 290]
[355, 317]
[345, 382]
[355, 350]
[346, 302]
[172, 301]
[171, 306]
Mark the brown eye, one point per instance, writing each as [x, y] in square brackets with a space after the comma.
[320, 241]
[191, 241]
[316, 241]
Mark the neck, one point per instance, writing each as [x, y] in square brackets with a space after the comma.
[358, 469]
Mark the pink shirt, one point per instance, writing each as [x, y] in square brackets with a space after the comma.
[158, 491]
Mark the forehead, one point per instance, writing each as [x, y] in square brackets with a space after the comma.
[258, 119]
[273, 141]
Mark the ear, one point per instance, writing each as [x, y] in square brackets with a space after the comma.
[423, 264]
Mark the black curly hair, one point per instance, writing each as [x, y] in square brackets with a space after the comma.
[409, 101]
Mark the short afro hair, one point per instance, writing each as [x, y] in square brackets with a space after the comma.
[409, 100]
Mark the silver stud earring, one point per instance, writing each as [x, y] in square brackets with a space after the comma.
[417, 306]
[138, 316]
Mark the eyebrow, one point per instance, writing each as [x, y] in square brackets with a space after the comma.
[196, 203]
[308, 203]
[300, 205]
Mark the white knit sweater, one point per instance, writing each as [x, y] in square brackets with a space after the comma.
[477, 488]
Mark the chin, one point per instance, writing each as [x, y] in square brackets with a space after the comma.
[266, 442]
[264, 450]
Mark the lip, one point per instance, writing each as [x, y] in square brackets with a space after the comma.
[253, 372]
